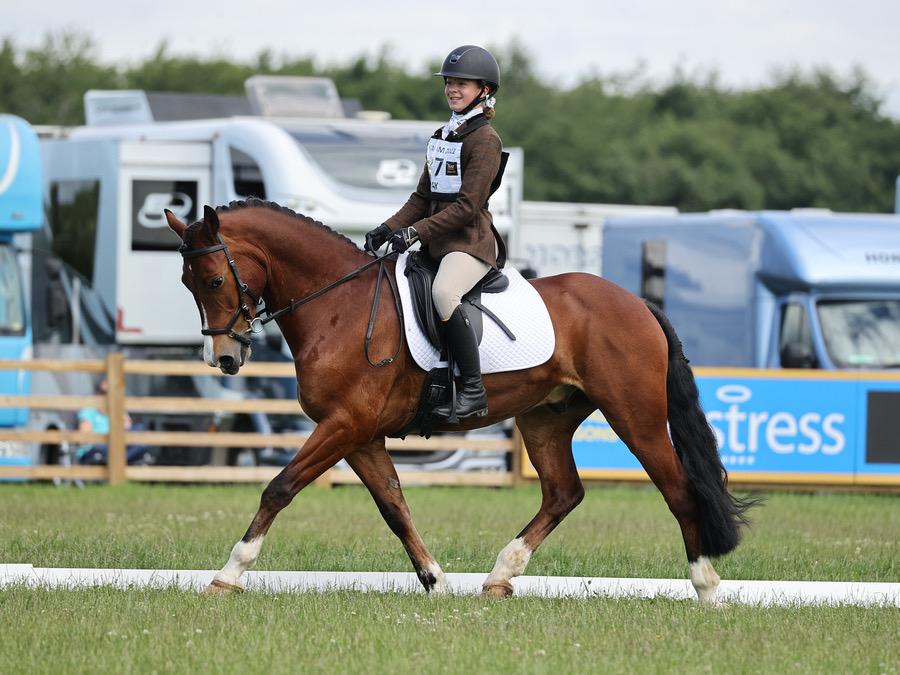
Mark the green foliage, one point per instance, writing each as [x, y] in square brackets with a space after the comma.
[46, 85]
[804, 139]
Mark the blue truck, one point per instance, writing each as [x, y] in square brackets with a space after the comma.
[21, 212]
[806, 288]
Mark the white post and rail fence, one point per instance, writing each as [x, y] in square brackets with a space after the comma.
[116, 369]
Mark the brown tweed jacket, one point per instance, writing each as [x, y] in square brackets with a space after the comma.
[465, 224]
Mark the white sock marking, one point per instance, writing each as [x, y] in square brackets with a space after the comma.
[243, 556]
[705, 580]
[511, 562]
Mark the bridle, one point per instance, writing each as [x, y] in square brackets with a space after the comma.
[255, 323]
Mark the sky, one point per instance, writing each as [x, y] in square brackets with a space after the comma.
[743, 40]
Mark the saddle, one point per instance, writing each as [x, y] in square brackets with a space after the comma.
[439, 386]
[421, 270]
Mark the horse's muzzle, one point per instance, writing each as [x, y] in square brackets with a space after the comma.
[229, 365]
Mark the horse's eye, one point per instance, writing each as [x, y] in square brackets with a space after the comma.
[216, 282]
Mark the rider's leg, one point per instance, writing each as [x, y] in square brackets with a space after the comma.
[458, 273]
[456, 276]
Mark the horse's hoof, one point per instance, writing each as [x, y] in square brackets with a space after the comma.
[216, 586]
[500, 591]
[712, 601]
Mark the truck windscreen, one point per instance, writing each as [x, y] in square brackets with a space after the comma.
[861, 333]
[365, 162]
[12, 307]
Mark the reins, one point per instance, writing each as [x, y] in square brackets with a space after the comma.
[255, 324]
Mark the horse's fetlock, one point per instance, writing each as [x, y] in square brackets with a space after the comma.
[427, 578]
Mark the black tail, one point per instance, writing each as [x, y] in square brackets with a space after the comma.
[720, 513]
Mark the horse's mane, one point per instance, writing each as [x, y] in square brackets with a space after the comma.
[256, 203]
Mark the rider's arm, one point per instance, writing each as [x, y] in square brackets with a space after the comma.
[416, 206]
[480, 166]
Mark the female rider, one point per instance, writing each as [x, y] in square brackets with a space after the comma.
[449, 214]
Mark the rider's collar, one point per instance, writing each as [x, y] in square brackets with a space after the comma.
[456, 121]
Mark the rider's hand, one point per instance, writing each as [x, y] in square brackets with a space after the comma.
[375, 238]
[403, 238]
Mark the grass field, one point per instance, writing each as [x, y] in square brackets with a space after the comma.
[615, 532]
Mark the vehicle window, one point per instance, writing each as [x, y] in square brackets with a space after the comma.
[795, 342]
[653, 272]
[861, 333]
[73, 213]
[12, 307]
[374, 163]
[248, 178]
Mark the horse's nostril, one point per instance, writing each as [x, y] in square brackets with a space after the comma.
[226, 361]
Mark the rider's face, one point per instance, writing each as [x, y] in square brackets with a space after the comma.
[460, 93]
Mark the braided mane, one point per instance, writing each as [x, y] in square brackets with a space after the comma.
[256, 203]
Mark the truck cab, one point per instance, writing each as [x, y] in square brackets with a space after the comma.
[21, 212]
[806, 288]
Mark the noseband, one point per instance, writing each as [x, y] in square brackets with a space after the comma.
[255, 324]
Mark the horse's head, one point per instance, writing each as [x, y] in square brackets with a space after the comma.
[225, 292]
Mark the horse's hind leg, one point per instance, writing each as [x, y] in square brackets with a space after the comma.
[375, 469]
[665, 470]
[548, 440]
[643, 429]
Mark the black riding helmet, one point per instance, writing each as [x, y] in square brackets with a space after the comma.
[469, 62]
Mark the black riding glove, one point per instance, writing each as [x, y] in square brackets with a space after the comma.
[403, 238]
[375, 238]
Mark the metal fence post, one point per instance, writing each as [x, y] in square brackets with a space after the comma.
[115, 405]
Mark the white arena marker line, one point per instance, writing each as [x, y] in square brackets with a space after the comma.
[760, 593]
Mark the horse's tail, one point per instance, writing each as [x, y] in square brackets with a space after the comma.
[720, 514]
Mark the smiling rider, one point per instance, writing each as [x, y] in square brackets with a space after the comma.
[448, 212]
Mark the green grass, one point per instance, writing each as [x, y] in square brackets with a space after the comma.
[615, 532]
[106, 631]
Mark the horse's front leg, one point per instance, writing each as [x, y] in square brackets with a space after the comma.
[330, 441]
[375, 469]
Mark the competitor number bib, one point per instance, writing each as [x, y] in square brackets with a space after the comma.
[444, 168]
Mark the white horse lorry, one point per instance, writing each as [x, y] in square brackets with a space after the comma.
[106, 271]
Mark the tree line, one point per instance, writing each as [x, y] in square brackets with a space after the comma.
[803, 139]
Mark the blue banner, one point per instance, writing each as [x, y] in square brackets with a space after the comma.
[841, 426]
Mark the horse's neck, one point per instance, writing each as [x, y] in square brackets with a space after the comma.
[301, 258]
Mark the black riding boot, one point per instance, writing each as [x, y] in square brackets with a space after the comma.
[471, 399]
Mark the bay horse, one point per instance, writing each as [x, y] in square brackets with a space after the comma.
[613, 352]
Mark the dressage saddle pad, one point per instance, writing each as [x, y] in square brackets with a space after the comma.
[519, 307]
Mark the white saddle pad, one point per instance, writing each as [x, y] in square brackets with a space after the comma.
[519, 307]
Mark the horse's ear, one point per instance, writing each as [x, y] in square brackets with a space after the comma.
[211, 218]
[174, 224]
